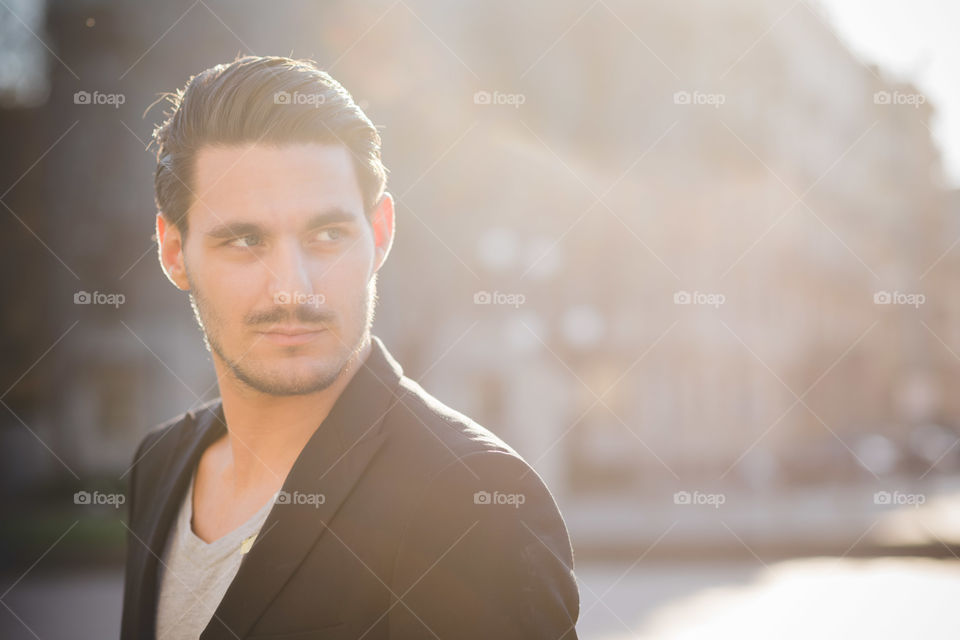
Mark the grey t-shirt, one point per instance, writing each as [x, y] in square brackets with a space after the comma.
[194, 575]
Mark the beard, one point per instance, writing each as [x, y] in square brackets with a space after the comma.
[278, 379]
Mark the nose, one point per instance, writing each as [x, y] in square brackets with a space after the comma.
[290, 275]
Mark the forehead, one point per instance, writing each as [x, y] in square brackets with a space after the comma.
[265, 181]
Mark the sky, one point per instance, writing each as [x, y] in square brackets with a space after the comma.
[913, 41]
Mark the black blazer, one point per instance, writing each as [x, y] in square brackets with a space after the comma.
[430, 526]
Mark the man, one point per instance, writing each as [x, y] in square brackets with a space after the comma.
[325, 494]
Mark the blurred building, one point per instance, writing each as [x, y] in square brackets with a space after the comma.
[699, 151]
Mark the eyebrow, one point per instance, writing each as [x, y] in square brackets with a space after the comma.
[239, 229]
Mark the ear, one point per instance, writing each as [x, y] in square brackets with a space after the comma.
[170, 249]
[382, 221]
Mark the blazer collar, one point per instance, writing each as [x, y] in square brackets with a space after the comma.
[331, 463]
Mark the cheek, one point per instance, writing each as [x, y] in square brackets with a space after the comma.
[232, 290]
[344, 281]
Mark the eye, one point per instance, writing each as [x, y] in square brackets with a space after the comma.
[244, 242]
[330, 235]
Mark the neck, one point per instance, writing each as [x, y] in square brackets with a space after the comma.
[266, 433]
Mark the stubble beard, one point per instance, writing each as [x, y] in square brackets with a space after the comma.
[270, 383]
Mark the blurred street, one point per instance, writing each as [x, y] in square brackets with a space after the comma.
[852, 598]
[822, 598]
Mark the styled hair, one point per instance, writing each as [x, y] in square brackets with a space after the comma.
[260, 99]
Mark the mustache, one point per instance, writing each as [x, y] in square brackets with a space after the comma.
[303, 313]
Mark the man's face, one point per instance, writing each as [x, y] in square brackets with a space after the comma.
[281, 262]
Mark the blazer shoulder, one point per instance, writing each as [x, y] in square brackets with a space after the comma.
[440, 431]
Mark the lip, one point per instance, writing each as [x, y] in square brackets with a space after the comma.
[291, 335]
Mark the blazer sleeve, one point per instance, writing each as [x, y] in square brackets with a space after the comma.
[486, 555]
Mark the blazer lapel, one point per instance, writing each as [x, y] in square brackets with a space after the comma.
[330, 464]
[209, 425]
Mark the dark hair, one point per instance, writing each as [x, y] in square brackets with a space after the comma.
[268, 99]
